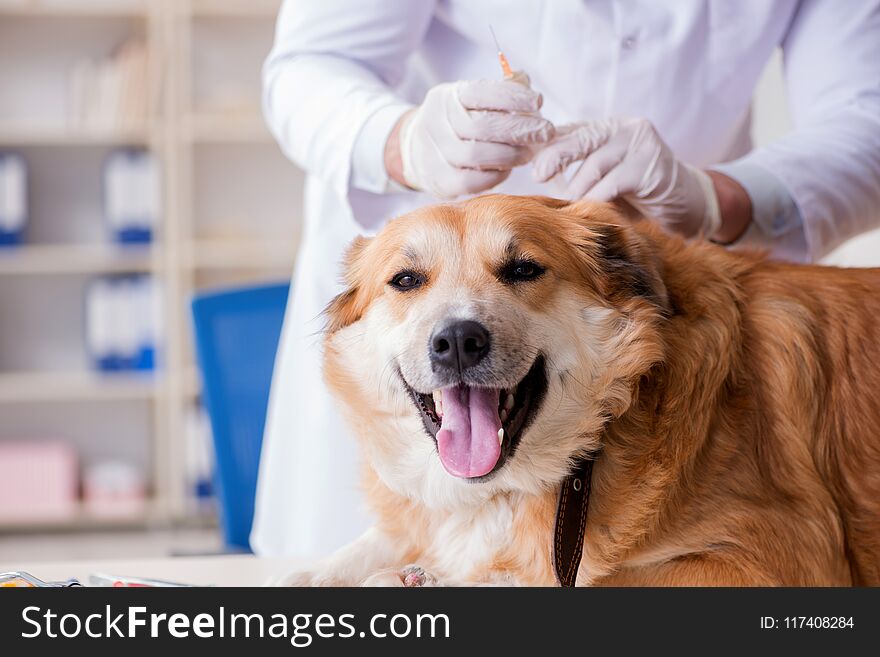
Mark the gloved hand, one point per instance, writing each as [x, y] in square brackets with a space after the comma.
[626, 158]
[465, 137]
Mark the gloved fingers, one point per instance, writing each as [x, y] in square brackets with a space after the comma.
[448, 181]
[502, 127]
[484, 155]
[553, 159]
[473, 181]
[572, 143]
[469, 153]
[614, 184]
[595, 168]
[498, 95]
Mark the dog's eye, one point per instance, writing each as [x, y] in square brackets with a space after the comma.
[521, 270]
[406, 280]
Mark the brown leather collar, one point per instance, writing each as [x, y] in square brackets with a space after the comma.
[571, 519]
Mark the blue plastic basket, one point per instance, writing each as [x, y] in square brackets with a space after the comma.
[237, 335]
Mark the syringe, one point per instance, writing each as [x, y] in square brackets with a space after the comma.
[509, 73]
[557, 183]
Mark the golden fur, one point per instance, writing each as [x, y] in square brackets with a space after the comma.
[733, 404]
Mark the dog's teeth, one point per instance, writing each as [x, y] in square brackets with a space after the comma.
[508, 403]
[504, 416]
[501, 435]
[438, 401]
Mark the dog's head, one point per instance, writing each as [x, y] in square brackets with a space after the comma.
[482, 346]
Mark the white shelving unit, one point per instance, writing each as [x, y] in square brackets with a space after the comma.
[26, 135]
[22, 387]
[231, 208]
[79, 259]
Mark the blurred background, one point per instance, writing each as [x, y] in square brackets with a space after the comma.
[136, 176]
[135, 173]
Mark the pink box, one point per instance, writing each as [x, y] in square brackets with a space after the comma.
[38, 481]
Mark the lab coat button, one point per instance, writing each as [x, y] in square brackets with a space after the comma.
[780, 223]
[628, 42]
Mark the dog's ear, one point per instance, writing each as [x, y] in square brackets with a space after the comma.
[349, 305]
[630, 264]
[627, 260]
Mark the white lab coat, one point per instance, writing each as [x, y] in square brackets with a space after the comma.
[341, 73]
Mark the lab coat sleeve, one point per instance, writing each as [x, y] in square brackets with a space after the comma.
[327, 84]
[830, 162]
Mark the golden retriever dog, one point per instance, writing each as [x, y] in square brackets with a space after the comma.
[731, 404]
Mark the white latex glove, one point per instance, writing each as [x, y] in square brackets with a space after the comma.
[465, 137]
[626, 158]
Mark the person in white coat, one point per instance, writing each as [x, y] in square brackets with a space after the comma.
[392, 104]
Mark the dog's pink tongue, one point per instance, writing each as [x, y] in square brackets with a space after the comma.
[468, 436]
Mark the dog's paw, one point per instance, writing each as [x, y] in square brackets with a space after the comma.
[415, 576]
[307, 579]
[411, 576]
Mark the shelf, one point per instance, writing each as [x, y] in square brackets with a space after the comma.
[24, 134]
[77, 259]
[232, 8]
[18, 387]
[242, 255]
[83, 520]
[82, 8]
[226, 130]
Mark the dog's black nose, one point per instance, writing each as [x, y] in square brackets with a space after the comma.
[459, 345]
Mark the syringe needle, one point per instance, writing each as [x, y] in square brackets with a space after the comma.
[495, 39]
[505, 66]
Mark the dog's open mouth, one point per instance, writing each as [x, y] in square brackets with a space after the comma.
[475, 428]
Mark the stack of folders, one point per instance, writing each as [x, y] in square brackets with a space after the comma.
[123, 319]
[112, 92]
[132, 197]
[13, 198]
